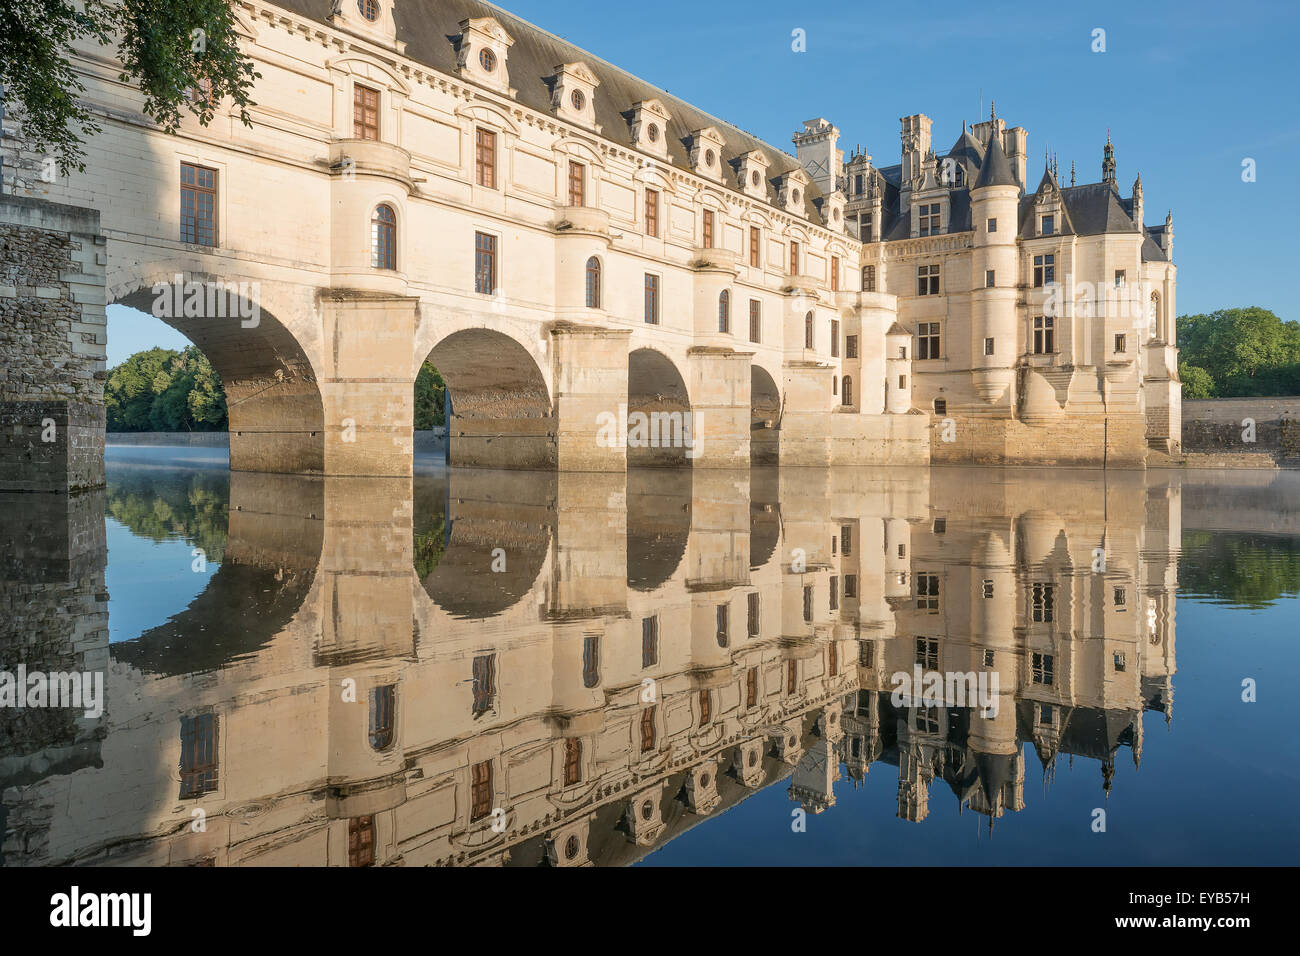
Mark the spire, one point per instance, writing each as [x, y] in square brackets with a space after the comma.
[1108, 162]
[993, 111]
[996, 170]
[1071, 172]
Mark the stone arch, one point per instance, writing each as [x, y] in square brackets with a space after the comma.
[272, 388]
[659, 409]
[658, 526]
[765, 416]
[500, 409]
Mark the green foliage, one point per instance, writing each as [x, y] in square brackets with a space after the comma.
[193, 506]
[430, 546]
[165, 390]
[1245, 570]
[1242, 352]
[166, 46]
[429, 392]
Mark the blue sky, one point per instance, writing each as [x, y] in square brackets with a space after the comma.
[1188, 90]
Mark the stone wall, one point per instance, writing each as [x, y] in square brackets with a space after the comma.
[1219, 425]
[53, 335]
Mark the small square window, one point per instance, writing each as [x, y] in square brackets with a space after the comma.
[988, 658]
[941, 406]
[1121, 343]
[992, 225]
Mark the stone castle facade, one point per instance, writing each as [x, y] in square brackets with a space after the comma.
[563, 241]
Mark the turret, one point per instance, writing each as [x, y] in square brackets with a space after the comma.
[995, 202]
[1137, 202]
[1108, 162]
[898, 371]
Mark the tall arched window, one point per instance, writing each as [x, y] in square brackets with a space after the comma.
[868, 278]
[593, 283]
[383, 238]
[1153, 314]
[383, 705]
[809, 339]
[724, 311]
[847, 389]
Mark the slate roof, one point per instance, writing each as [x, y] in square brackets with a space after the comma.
[429, 29]
[996, 170]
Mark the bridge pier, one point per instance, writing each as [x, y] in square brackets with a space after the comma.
[720, 406]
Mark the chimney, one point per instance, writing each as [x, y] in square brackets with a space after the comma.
[816, 148]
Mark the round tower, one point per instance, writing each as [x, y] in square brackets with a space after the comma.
[995, 203]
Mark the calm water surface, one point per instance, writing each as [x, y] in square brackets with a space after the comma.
[661, 668]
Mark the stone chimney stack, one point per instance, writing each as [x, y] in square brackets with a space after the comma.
[818, 154]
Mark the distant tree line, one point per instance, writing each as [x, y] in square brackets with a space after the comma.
[162, 390]
[1238, 353]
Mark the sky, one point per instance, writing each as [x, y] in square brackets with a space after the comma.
[1187, 90]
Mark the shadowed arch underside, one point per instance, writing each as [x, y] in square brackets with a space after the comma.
[501, 413]
[658, 409]
[765, 417]
[277, 418]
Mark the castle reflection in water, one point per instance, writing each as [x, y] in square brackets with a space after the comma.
[484, 668]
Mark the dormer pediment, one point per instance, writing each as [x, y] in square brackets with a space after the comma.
[706, 153]
[751, 173]
[372, 21]
[793, 192]
[832, 211]
[482, 50]
[649, 125]
[573, 94]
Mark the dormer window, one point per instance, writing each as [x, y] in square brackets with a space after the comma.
[652, 132]
[751, 173]
[573, 88]
[578, 100]
[706, 147]
[929, 219]
[1049, 225]
[488, 60]
[369, 9]
[755, 180]
[481, 51]
[649, 120]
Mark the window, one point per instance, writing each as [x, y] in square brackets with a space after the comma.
[488, 60]
[1119, 277]
[847, 397]
[706, 708]
[941, 406]
[833, 659]
[940, 525]
[652, 212]
[485, 158]
[988, 588]
[809, 333]
[868, 229]
[708, 229]
[485, 683]
[648, 728]
[361, 836]
[480, 790]
[1044, 335]
[383, 701]
[755, 321]
[835, 593]
[724, 311]
[846, 540]
[794, 258]
[1046, 714]
[1119, 661]
[990, 279]
[593, 283]
[927, 653]
[365, 112]
[791, 677]
[868, 278]
[577, 184]
[369, 9]
[867, 654]
[991, 225]
[1120, 597]
[572, 761]
[751, 687]
[724, 624]
[929, 218]
[1042, 602]
[835, 273]
[902, 382]
[383, 238]
[857, 185]
[1049, 225]
[485, 263]
[850, 586]
[199, 758]
[927, 720]
[1044, 270]
[753, 246]
[752, 617]
[578, 100]
[927, 340]
[834, 541]
[835, 384]
[591, 660]
[927, 280]
[198, 205]
[988, 658]
[649, 641]
[652, 299]
[835, 338]
[1121, 343]
[807, 602]
[988, 346]
[851, 346]
[927, 592]
[1041, 668]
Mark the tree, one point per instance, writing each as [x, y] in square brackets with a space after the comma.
[184, 55]
[1197, 382]
[430, 392]
[1243, 352]
[165, 390]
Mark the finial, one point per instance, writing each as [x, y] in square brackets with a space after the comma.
[993, 110]
[1107, 135]
[1071, 172]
